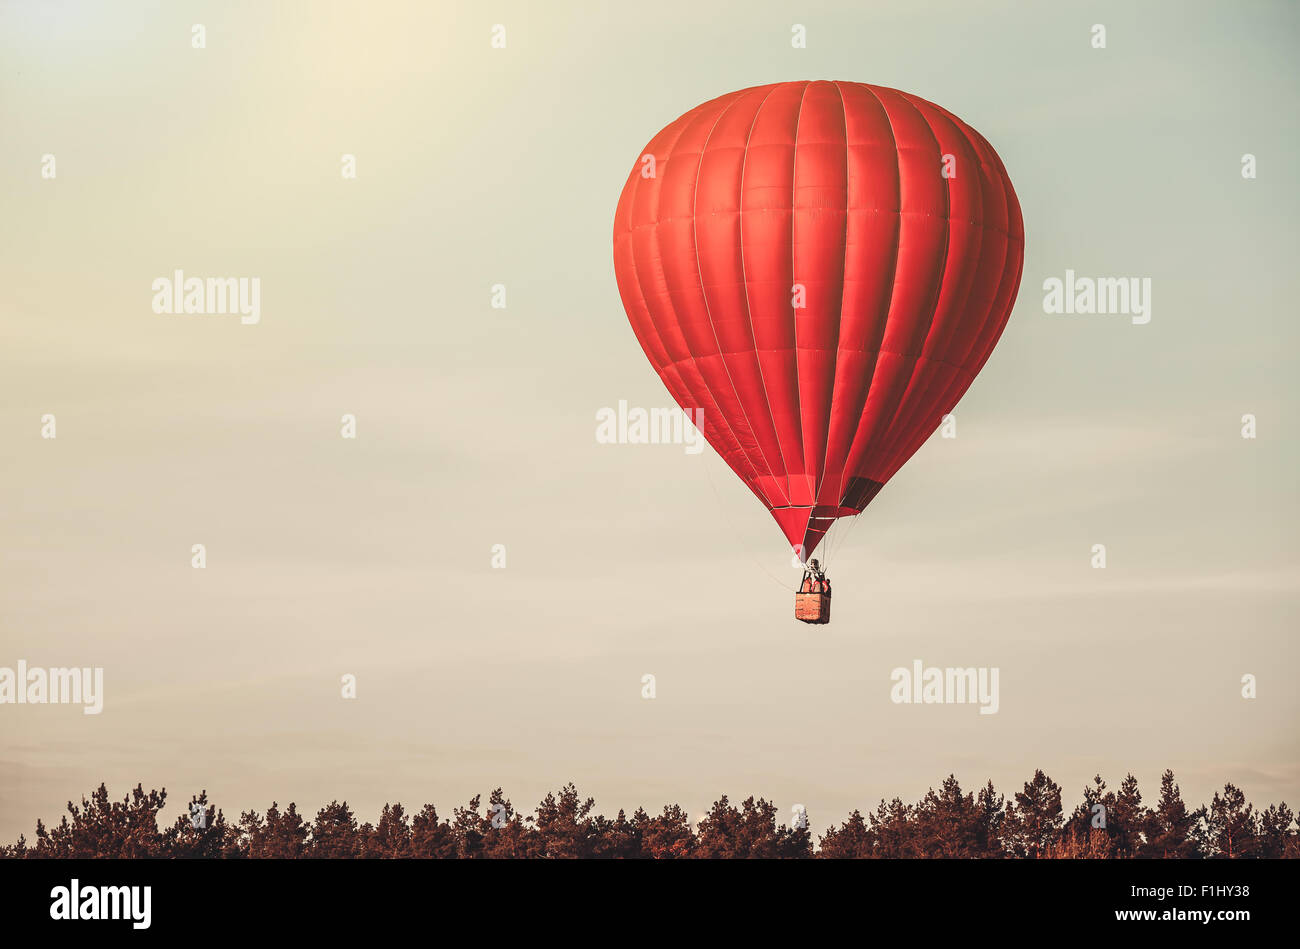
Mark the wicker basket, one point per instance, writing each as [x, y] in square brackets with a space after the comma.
[812, 607]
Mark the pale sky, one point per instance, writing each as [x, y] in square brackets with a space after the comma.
[476, 426]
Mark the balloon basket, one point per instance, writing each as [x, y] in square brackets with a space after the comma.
[812, 607]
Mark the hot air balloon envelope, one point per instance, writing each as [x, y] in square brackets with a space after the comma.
[821, 269]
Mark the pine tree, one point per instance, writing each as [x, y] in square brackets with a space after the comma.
[1035, 820]
[892, 831]
[990, 821]
[564, 826]
[1127, 819]
[334, 833]
[430, 838]
[851, 839]
[507, 835]
[469, 828]
[212, 837]
[1170, 827]
[390, 838]
[947, 824]
[1275, 830]
[1232, 828]
[667, 836]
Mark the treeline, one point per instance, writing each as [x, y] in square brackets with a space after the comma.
[945, 823]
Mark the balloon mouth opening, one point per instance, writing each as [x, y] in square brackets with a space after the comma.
[806, 526]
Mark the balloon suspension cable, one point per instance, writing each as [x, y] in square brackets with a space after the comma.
[836, 544]
[736, 534]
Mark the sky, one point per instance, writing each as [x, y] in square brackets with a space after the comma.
[475, 425]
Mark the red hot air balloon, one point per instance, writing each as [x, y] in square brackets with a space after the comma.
[822, 268]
